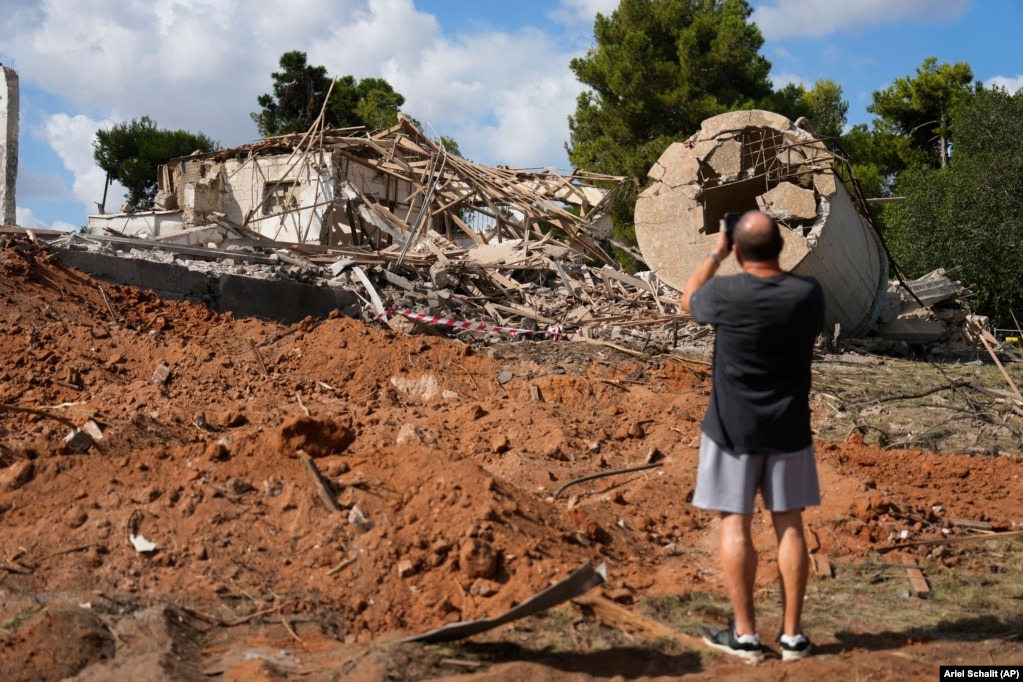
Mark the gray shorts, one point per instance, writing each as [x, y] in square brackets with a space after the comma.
[728, 482]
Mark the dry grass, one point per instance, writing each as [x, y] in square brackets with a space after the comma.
[941, 407]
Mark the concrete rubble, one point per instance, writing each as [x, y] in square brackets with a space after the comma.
[391, 228]
[388, 226]
[746, 160]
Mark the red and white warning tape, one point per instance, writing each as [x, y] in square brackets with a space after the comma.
[555, 330]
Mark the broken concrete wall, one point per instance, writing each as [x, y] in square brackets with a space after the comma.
[222, 291]
[746, 160]
[198, 188]
[143, 224]
[276, 196]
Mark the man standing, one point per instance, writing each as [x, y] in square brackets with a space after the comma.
[756, 433]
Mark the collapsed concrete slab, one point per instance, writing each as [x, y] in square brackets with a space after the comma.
[220, 290]
[746, 160]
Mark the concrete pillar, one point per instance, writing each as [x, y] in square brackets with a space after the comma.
[8, 145]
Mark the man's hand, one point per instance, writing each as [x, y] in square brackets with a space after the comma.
[722, 248]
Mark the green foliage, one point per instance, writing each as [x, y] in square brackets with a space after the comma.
[299, 93]
[449, 144]
[970, 214]
[132, 152]
[790, 102]
[378, 103]
[659, 68]
[916, 112]
[827, 109]
[873, 157]
[822, 105]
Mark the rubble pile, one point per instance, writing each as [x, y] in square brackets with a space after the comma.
[539, 288]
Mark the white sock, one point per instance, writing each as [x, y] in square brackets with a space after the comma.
[747, 639]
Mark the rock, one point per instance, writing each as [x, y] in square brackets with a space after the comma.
[317, 437]
[161, 374]
[409, 434]
[78, 440]
[473, 412]
[499, 444]
[17, 475]
[76, 517]
[478, 559]
[359, 519]
[239, 486]
[230, 418]
[484, 588]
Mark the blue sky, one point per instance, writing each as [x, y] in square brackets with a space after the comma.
[493, 75]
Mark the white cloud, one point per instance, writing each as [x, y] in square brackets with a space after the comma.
[779, 19]
[200, 65]
[1009, 83]
[586, 10]
[531, 123]
[504, 97]
[25, 218]
[43, 186]
[71, 137]
[782, 78]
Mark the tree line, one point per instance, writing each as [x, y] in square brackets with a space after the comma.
[950, 146]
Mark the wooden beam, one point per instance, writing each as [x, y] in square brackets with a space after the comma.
[616, 616]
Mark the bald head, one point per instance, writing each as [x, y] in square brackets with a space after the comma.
[758, 238]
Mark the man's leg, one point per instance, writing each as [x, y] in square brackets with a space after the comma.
[793, 567]
[739, 564]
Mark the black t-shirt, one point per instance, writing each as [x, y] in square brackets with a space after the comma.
[765, 328]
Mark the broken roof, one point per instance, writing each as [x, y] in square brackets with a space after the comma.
[511, 203]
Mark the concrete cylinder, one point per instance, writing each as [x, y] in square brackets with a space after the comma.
[746, 160]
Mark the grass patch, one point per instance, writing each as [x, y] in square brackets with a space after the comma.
[941, 407]
[19, 620]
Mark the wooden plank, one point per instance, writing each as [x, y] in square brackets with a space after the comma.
[465, 228]
[607, 285]
[917, 582]
[378, 303]
[316, 478]
[524, 312]
[822, 566]
[968, 523]
[636, 282]
[982, 333]
[565, 279]
[616, 616]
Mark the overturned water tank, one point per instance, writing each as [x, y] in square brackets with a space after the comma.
[755, 159]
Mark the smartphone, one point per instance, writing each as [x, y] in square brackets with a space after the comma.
[730, 221]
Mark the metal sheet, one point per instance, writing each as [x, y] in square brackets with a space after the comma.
[579, 582]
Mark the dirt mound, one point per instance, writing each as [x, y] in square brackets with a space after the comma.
[309, 492]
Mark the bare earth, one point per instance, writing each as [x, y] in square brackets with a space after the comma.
[444, 460]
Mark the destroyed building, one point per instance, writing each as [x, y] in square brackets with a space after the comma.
[338, 211]
[332, 188]
[373, 223]
[746, 160]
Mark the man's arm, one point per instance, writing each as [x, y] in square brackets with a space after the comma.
[707, 268]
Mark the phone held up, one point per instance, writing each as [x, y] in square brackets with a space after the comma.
[729, 221]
